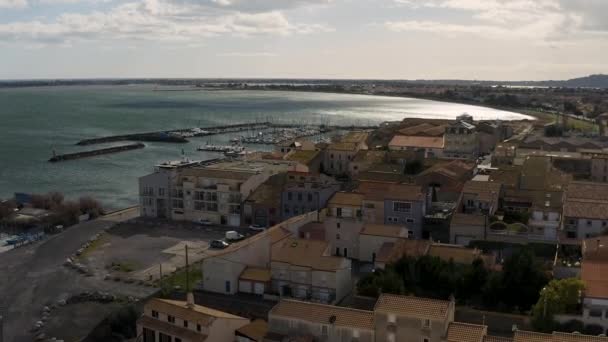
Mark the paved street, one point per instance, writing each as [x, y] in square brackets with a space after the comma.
[34, 276]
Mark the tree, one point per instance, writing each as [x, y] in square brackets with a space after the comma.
[473, 277]
[523, 272]
[558, 297]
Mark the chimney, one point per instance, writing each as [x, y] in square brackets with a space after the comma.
[190, 300]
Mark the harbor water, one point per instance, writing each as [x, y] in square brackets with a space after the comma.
[36, 121]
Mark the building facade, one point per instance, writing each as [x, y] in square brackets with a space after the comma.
[305, 192]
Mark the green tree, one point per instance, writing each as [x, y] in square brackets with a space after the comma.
[524, 277]
[558, 297]
[474, 276]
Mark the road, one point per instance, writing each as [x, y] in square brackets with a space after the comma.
[34, 276]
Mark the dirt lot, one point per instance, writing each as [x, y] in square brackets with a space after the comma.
[135, 250]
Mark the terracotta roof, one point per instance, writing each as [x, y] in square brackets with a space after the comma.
[393, 251]
[384, 230]
[593, 274]
[198, 314]
[374, 191]
[320, 313]
[455, 169]
[457, 253]
[256, 274]
[171, 329]
[508, 176]
[413, 141]
[355, 137]
[485, 191]
[464, 332]
[424, 129]
[303, 156]
[269, 192]
[306, 253]
[413, 306]
[468, 220]
[595, 248]
[370, 156]
[589, 209]
[346, 198]
[528, 336]
[588, 191]
[255, 330]
[489, 338]
[315, 229]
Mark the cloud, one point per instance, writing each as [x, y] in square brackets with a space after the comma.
[156, 20]
[258, 5]
[247, 54]
[13, 3]
[537, 20]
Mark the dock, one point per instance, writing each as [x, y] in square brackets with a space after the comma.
[92, 153]
[168, 137]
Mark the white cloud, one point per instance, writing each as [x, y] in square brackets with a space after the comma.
[247, 54]
[13, 3]
[157, 20]
[537, 20]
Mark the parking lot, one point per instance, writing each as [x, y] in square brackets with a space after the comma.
[140, 250]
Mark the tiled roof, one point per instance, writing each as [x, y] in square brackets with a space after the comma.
[198, 314]
[384, 230]
[269, 192]
[374, 191]
[468, 220]
[324, 314]
[455, 169]
[393, 251]
[342, 146]
[485, 191]
[528, 336]
[413, 141]
[303, 156]
[424, 129]
[305, 253]
[370, 156]
[464, 332]
[355, 137]
[593, 274]
[256, 274]
[588, 191]
[255, 330]
[489, 338]
[346, 198]
[457, 253]
[595, 248]
[589, 209]
[171, 329]
[413, 306]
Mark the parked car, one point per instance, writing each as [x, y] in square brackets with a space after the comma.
[219, 244]
[233, 236]
[203, 222]
[257, 228]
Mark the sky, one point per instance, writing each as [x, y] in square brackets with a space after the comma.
[377, 39]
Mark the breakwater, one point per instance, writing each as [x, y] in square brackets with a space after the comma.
[92, 153]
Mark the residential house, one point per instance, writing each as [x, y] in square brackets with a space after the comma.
[305, 269]
[212, 192]
[460, 255]
[446, 179]
[504, 154]
[403, 204]
[404, 318]
[465, 228]
[338, 155]
[480, 197]
[290, 318]
[373, 236]
[585, 211]
[288, 146]
[343, 223]
[365, 160]
[599, 167]
[305, 192]
[263, 206]
[391, 252]
[594, 268]
[461, 139]
[223, 269]
[433, 147]
[167, 320]
[155, 189]
[311, 160]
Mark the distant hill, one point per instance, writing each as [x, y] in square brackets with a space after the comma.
[592, 81]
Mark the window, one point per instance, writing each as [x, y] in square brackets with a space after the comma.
[286, 209]
[425, 339]
[402, 207]
[185, 324]
[339, 212]
[289, 196]
[369, 205]
[409, 220]
[309, 197]
[589, 223]
[300, 197]
[161, 191]
[164, 338]
[426, 323]
[198, 327]
[324, 330]
[154, 314]
[337, 236]
[177, 339]
[178, 204]
[603, 223]
[171, 319]
[338, 225]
